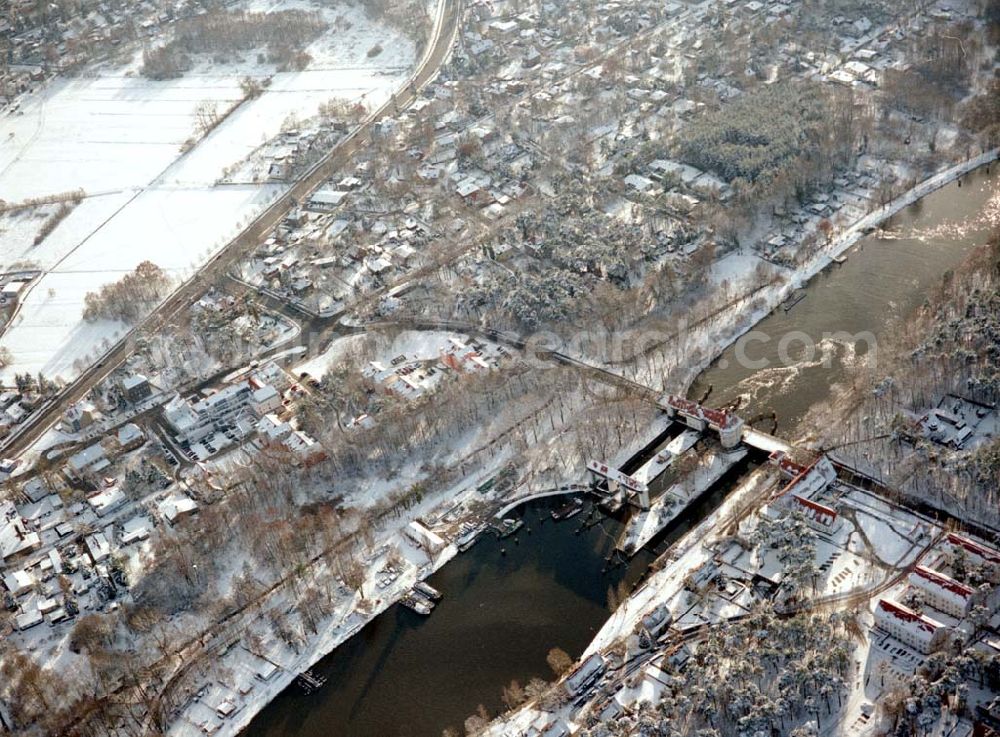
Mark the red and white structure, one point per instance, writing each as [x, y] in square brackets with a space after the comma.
[943, 592]
[803, 480]
[977, 553]
[818, 515]
[618, 480]
[914, 630]
[728, 425]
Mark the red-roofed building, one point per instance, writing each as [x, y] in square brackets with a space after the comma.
[914, 630]
[728, 425]
[943, 592]
[819, 515]
[804, 480]
[977, 553]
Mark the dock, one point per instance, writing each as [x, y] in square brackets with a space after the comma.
[646, 524]
[309, 681]
[797, 297]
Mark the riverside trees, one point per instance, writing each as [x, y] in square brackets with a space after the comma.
[794, 672]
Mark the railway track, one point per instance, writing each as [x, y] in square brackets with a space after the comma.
[438, 49]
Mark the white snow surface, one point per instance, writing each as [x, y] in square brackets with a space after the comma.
[118, 136]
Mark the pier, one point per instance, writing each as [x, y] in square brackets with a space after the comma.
[309, 681]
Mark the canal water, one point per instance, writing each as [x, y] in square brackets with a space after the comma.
[409, 676]
[405, 675]
[883, 281]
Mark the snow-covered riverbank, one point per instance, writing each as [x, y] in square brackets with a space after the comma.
[710, 341]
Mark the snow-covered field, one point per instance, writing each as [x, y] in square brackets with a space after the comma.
[118, 136]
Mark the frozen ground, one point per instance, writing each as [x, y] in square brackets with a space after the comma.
[118, 136]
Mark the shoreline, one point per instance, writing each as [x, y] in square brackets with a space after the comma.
[332, 638]
[801, 276]
[326, 642]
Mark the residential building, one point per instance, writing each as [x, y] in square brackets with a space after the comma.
[130, 437]
[819, 516]
[18, 582]
[266, 399]
[135, 388]
[87, 464]
[109, 498]
[272, 430]
[194, 421]
[98, 547]
[15, 537]
[178, 507]
[585, 674]
[976, 553]
[79, 417]
[914, 630]
[943, 592]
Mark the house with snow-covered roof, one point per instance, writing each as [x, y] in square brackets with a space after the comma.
[912, 629]
[87, 463]
[977, 553]
[585, 674]
[15, 537]
[943, 592]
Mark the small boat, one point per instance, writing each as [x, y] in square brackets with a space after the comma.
[467, 537]
[841, 259]
[793, 300]
[613, 502]
[509, 526]
[422, 587]
[566, 511]
[417, 604]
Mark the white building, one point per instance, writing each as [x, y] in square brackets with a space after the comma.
[273, 430]
[130, 436]
[266, 399]
[977, 554]
[193, 422]
[914, 630]
[109, 498]
[98, 547]
[15, 538]
[178, 506]
[585, 674]
[87, 463]
[943, 592]
[18, 582]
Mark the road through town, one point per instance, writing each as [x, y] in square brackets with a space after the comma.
[439, 46]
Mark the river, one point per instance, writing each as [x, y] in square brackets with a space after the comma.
[409, 676]
[884, 280]
[412, 676]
